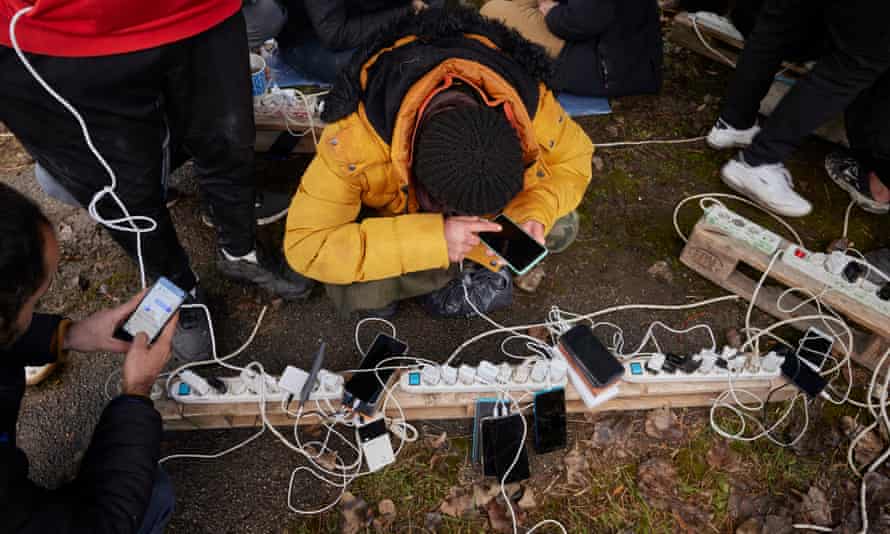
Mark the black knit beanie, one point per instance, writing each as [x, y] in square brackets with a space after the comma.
[469, 160]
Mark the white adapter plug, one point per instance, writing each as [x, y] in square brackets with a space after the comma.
[293, 380]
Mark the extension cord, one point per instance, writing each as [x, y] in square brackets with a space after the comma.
[328, 386]
[741, 229]
[538, 376]
[828, 269]
[642, 370]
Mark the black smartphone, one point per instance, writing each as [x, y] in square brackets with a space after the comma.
[485, 407]
[550, 420]
[155, 310]
[367, 386]
[513, 245]
[586, 354]
[501, 441]
[803, 376]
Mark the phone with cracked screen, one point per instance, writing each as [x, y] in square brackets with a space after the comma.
[155, 310]
[518, 249]
[366, 386]
[550, 420]
[501, 442]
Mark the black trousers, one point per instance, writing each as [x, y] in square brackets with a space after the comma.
[868, 128]
[852, 41]
[198, 89]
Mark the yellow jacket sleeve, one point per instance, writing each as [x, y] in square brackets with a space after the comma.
[323, 239]
[555, 184]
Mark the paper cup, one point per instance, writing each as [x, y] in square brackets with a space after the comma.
[258, 75]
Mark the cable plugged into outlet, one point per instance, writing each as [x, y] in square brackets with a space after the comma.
[533, 375]
[189, 387]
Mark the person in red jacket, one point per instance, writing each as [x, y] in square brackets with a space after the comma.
[146, 75]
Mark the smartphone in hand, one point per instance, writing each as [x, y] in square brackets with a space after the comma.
[514, 245]
[155, 310]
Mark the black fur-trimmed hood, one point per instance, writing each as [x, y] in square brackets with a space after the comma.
[428, 26]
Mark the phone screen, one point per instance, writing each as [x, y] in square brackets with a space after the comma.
[501, 441]
[600, 365]
[517, 248]
[366, 386]
[550, 420]
[155, 309]
[485, 408]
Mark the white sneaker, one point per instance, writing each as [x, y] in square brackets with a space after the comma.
[722, 135]
[768, 185]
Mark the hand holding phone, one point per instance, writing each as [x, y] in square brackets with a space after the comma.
[145, 362]
[462, 235]
[519, 250]
[96, 333]
[155, 310]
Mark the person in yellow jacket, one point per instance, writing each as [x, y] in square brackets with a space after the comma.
[440, 122]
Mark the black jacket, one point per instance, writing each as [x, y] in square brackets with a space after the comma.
[613, 47]
[111, 492]
[345, 24]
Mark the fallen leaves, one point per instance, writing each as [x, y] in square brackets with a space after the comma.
[458, 503]
[577, 467]
[721, 457]
[354, 511]
[530, 281]
[661, 270]
[815, 507]
[663, 424]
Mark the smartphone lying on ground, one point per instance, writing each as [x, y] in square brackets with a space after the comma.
[501, 442]
[550, 420]
[367, 386]
[518, 249]
[155, 310]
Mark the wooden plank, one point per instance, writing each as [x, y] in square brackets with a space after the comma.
[632, 396]
[709, 252]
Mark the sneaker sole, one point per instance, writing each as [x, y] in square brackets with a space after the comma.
[754, 198]
[247, 280]
[864, 203]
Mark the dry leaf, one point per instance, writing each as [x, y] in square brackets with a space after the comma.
[527, 502]
[815, 507]
[577, 467]
[722, 457]
[458, 503]
[539, 332]
[386, 507]
[661, 423]
[354, 513]
[662, 271]
[530, 281]
[751, 526]
[440, 442]
[482, 495]
[598, 163]
[499, 517]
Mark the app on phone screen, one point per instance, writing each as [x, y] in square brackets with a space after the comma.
[155, 309]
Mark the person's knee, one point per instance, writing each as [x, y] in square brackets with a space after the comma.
[496, 9]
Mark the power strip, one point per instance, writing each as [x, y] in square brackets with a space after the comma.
[328, 386]
[706, 366]
[828, 269]
[537, 375]
[740, 228]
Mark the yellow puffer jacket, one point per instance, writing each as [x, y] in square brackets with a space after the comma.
[355, 168]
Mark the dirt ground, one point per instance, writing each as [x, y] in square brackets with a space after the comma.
[632, 472]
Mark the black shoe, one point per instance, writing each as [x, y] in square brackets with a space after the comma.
[269, 207]
[386, 312]
[191, 341]
[489, 291]
[267, 270]
[880, 259]
[845, 171]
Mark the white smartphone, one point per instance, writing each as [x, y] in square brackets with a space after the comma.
[154, 312]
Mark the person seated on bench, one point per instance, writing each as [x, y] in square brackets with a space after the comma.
[602, 47]
[440, 120]
[322, 35]
[264, 19]
[851, 68]
[119, 487]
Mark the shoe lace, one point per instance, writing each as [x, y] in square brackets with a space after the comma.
[784, 172]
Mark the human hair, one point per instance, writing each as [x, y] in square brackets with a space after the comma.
[22, 265]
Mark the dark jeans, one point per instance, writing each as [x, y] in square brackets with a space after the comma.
[161, 505]
[858, 53]
[200, 86]
[868, 128]
[312, 59]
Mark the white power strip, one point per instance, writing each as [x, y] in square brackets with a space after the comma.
[328, 386]
[828, 270]
[539, 375]
[740, 228]
[708, 368]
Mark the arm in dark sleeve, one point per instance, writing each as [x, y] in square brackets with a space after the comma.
[338, 31]
[580, 20]
[40, 345]
[113, 488]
